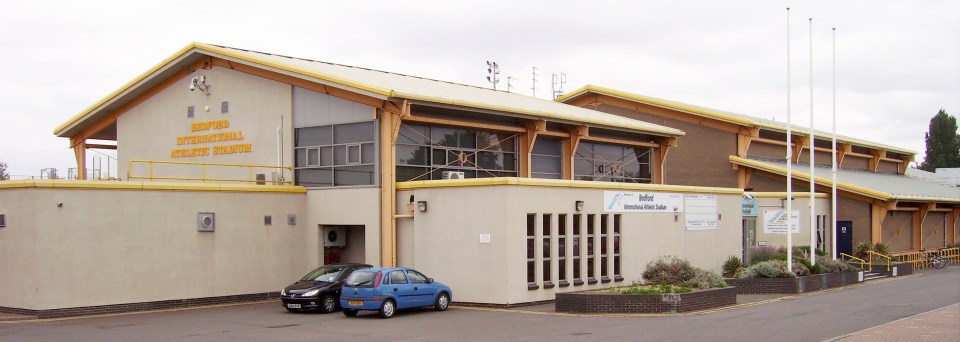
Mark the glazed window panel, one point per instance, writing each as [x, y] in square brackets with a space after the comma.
[476, 153]
[547, 158]
[336, 155]
[612, 163]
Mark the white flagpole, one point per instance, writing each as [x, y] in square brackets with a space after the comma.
[789, 160]
[833, 169]
[811, 150]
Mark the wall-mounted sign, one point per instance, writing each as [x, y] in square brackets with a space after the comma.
[641, 202]
[210, 138]
[775, 222]
[701, 211]
[750, 207]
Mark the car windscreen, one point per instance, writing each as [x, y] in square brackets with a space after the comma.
[361, 279]
[324, 273]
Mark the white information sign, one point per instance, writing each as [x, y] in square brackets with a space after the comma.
[701, 211]
[775, 222]
[641, 202]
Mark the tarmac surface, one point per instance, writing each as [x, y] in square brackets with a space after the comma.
[920, 307]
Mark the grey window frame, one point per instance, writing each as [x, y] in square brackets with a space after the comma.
[598, 165]
[432, 169]
[329, 149]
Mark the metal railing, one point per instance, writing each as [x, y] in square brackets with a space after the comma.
[853, 258]
[152, 174]
[877, 256]
[920, 261]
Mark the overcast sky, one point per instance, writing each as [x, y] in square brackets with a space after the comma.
[898, 62]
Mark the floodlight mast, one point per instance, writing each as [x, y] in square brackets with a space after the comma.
[789, 160]
[493, 73]
[813, 211]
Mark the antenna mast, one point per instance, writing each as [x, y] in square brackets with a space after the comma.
[493, 73]
[534, 82]
[558, 82]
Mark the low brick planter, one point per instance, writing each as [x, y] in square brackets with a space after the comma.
[594, 302]
[902, 269]
[810, 283]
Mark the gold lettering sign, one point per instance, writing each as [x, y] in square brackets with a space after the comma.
[210, 138]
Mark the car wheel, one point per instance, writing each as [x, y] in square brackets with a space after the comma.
[388, 309]
[443, 301]
[349, 312]
[328, 304]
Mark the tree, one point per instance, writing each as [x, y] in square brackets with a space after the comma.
[943, 143]
[3, 171]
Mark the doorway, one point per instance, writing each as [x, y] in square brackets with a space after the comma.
[341, 244]
[844, 237]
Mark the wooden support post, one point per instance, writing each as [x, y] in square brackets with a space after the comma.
[79, 145]
[917, 235]
[904, 163]
[842, 150]
[744, 138]
[576, 135]
[534, 128]
[952, 218]
[878, 211]
[664, 145]
[743, 177]
[799, 142]
[389, 120]
[875, 162]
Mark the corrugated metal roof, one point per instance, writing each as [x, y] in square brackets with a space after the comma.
[877, 185]
[736, 118]
[393, 85]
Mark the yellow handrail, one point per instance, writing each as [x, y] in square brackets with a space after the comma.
[853, 258]
[918, 259]
[889, 260]
[203, 171]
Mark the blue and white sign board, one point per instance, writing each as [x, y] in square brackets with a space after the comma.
[701, 211]
[750, 207]
[775, 222]
[641, 202]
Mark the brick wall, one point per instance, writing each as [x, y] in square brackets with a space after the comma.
[815, 282]
[611, 303]
[146, 306]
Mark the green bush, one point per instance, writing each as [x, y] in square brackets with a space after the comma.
[881, 248]
[833, 266]
[669, 270]
[801, 267]
[653, 289]
[762, 253]
[862, 249]
[732, 266]
[704, 279]
[768, 269]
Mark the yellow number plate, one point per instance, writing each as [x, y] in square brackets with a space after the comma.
[355, 302]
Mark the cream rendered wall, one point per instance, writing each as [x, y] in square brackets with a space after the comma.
[447, 238]
[125, 246]
[256, 107]
[801, 203]
[344, 206]
[18, 247]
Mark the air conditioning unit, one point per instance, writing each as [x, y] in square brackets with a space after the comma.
[453, 175]
[206, 222]
[334, 237]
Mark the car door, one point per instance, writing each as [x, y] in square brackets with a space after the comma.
[401, 289]
[424, 291]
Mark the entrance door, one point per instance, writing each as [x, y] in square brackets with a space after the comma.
[844, 237]
[749, 235]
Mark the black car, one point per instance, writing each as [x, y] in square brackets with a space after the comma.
[319, 289]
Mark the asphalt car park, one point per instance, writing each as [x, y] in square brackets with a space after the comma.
[817, 316]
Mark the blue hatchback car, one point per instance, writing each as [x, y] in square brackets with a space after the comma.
[390, 289]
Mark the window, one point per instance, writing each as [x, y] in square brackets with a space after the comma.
[190, 112]
[416, 277]
[424, 152]
[547, 158]
[612, 163]
[616, 248]
[336, 155]
[577, 278]
[562, 249]
[531, 253]
[3, 220]
[224, 107]
[397, 277]
[603, 248]
[547, 226]
[591, 272]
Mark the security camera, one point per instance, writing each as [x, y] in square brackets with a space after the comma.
[193, 87]
[747, 196]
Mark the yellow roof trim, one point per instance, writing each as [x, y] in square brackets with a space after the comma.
[784, 194]
[159, 186]
[823, 181]
[721, 116]
[556, 183]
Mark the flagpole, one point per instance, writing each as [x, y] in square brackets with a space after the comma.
[789, 160]
[833, 169]
[811, 150]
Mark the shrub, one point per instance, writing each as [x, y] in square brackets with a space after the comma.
[881, 248]
[801, 267]
[732, 266]
[637, 288]
[703, 279]
[862, 249]
[833, 266]
[767, 269]
[669, 270]
[762, 253]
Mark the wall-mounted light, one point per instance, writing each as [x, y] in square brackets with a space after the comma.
[422, 206]
[579, 205]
